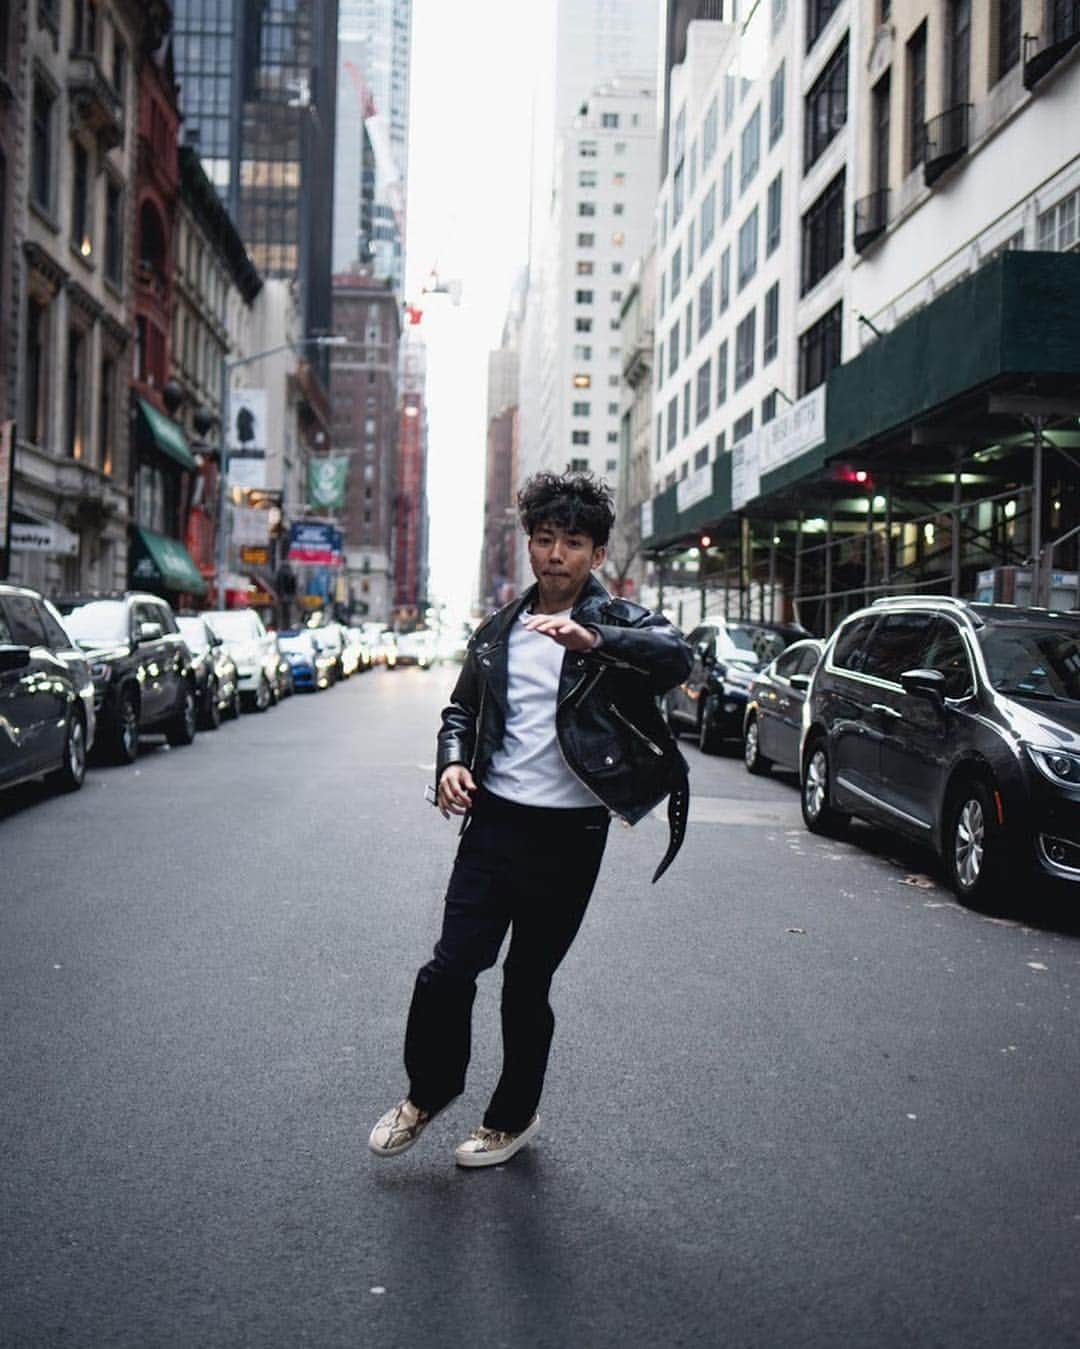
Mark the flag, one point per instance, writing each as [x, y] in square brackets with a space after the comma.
[326, 482]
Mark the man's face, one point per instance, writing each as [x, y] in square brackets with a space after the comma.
[561, 561]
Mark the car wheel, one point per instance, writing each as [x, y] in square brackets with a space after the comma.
[181, 730]
[211, 717]
[817, 812]
[755, 761]
[123, 738]
[972, 838]
[708, 740]
[72, 771]
[232, 707]
[262, 694]
[669, 717]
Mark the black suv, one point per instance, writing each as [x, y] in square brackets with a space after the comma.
[141, 668]
[956, 724]
[712, 701]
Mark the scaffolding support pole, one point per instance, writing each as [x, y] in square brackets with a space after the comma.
[957, 502]
[828, 571]
[772, 573]
[868, 555]
[797, 582]
[886, 564]
[1039, 423]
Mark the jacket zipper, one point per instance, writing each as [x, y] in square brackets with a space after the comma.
[479, 724]
[631, 727]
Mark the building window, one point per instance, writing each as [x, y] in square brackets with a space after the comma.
[586, 240]
[690, 249]
[585, 268]
[826, 106]
[587, 149]
[688, 328]
[583, 297]
[701, 457]
[879, 131]
[106, 415]
[42, 149]
[776, 105]
[581, 409]
[676, 271]
[586, 178]
[745, 341]
[705, 306]
[1057, 228]
[744, 425]
[916, 98]
[582, 325]
[582, 381]
[617, 208]
[768, 408]
[114, 232]
[823, 234]
[672, 422]
[773, 212]
[582, 353]
[725, 281]
[586, 208]
[686, 409]
[818, 14]
[721, 373]
[704, 391]
[727, 175]
[74, 435]
[750, 149]
[659, 434]
[748, 248]
[119, 67]
[819, 350]
[771, 335]
[609, 120]
[1008, 36]
[708, 218]
[678, 195]
[36, 371]
[693, 168]
[618, 238]
[579, 437]
[613, 409]
[612, 438]
[709, 133]
[673, 348]
[958, 52]
[730, 82]
[659, 364]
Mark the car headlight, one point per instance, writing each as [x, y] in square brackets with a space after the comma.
[1061, 767]
[99, 670]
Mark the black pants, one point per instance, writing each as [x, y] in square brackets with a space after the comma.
[522, 867]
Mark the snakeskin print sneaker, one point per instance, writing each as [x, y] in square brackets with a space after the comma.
[398, 1129]
[490, 1147]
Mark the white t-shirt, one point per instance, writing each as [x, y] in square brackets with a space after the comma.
[529, 767]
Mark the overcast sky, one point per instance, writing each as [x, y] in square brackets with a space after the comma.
[472, 77]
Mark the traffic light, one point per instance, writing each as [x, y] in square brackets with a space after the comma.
[858, 477]
[704, 541]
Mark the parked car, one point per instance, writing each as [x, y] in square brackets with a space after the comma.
[310, 668]
[772, 723]
[416, 648]
[329, 641]
[255, 652]
[141, 669]
[217, 687]
[47, 714]
[284, 687]
[359, 649]
[957, 725]
[712, 701]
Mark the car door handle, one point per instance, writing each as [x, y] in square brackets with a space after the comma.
[886, 710]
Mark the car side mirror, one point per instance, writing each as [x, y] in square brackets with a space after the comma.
[924, 684]
[14, 658]
[215, 640]
[150, 632]
[800, 682]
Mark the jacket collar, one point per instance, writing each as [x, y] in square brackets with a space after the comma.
[592, 594]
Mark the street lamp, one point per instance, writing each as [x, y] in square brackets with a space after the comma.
[227, 367]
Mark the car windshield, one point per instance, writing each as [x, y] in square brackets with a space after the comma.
[1033, 662]
[193, 631]
[747, 642]
[295, 641]
[236, 625]
[97, 621]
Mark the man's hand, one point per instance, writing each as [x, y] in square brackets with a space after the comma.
[455, 790]
[562, 630]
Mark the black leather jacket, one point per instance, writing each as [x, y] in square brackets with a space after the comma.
[608, 724]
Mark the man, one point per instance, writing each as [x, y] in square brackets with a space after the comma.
[552, 728]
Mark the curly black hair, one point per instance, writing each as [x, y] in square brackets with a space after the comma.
[576, 502]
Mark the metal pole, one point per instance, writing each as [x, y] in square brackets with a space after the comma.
[956, 503]
[1036, 512]
[701, 582]
[868, 546]
[745, 564]
[223, 487]
[797, 583]
[660, 582]
[772, 573]
[828, 571]
[727, 581]
[887, 551]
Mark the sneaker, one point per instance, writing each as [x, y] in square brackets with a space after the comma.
[398, 1129]
[490, 1147]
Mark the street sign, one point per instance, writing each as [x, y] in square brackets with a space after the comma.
[50, 537]
[254, 555]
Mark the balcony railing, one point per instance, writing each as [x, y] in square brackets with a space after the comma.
[871, 218]
[946, 140]
[1041, 55]
[95, 105]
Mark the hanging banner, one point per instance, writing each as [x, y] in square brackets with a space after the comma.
[247, 438]
[314, 543]
[745, 471]
[326, 482]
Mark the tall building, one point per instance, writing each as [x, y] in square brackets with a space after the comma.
[410, 496]
[258, 90]
[498, 558]
[372, 165]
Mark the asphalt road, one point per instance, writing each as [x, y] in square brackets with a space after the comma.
[798, 1097]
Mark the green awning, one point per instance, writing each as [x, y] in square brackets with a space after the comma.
[161, 562]
[166, 435]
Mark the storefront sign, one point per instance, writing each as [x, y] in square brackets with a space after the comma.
[315, 544]
[646, 519]
[745, 470]
[693, 488]
[793, 432]
[47, 538]
[254, 555]
[250, 527]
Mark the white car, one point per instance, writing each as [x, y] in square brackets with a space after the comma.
[255, 652]
[416, 648]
